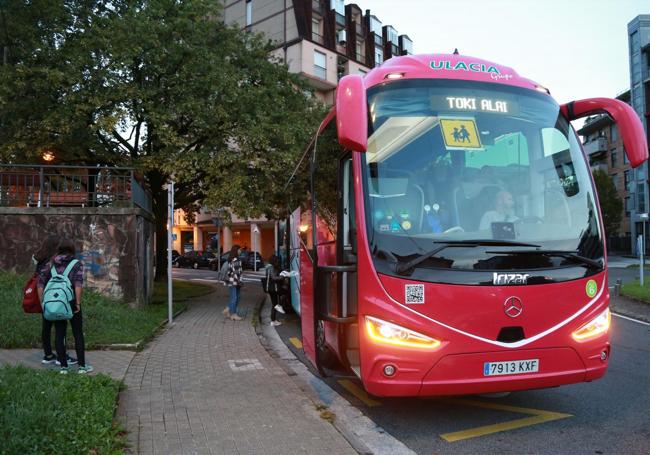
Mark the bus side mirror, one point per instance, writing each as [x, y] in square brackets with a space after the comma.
[629, 124]
[352, 113]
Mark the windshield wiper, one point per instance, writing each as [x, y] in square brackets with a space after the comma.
[404, 268]
[567, 254]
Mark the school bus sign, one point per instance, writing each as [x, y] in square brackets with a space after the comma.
[460, 133]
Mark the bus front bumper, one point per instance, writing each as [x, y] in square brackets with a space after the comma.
[464, 374]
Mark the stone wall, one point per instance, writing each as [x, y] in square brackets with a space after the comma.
[115, 244]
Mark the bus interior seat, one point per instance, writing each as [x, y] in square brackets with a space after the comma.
[411, 202]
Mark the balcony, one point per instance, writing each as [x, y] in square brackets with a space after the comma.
[599, 145]
[71, 186]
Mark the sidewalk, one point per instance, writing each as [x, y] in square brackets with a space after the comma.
[207, 386]
[630, 307]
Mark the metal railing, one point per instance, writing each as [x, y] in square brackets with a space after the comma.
[24, 185]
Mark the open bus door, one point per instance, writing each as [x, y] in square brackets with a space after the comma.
[324, 253]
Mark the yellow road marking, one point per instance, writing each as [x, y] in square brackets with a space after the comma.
[296, 342]
[537, 416]
[359, 393]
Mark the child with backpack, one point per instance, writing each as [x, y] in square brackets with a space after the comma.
[41, 259]
[60, 288]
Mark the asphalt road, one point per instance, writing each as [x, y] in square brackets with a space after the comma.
[608, 416]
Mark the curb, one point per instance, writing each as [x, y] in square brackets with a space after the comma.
[363, 435]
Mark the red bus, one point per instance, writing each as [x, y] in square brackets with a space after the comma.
[446, 236]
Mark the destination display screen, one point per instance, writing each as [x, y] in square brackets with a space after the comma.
[487, 104]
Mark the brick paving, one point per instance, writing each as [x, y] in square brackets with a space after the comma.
[207, 386]
[112, 363]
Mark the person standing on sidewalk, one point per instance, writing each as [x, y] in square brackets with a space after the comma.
[234, 283]
[64, 255]
[273, 286]
[41, 259]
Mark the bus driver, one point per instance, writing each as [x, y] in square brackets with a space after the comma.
[503, 212]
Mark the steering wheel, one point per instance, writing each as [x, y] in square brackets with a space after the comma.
[451, 230]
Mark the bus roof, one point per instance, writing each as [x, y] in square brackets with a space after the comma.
[447, 66]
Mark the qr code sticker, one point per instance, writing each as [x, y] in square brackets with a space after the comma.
[414, 293]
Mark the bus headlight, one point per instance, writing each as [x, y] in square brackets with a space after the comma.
[389, 333]
[597, 326]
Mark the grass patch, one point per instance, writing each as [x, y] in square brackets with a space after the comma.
[635, 291]
[106, 321]
[42, 411]
[183, 290]
[646, 266]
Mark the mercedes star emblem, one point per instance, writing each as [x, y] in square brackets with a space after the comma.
[513, 307]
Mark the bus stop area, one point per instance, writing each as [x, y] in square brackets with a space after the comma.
[604, 416]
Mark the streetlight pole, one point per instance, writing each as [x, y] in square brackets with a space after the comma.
[643, 217]
[170, 229]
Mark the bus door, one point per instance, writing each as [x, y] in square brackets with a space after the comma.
[335, 271]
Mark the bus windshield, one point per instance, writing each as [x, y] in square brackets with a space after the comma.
[485, 176]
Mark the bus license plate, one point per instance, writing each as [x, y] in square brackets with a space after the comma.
[511, 367]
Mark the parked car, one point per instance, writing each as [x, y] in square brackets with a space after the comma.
[175, 256]
[196, 259]
[246, 258]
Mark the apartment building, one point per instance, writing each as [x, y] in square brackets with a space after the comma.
[322, 40]
[604, 147]
[639, 57]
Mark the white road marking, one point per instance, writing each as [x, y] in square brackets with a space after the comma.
[245, 364]
[630, 319]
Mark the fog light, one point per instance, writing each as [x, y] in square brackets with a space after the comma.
[389, 370]
[603, 355]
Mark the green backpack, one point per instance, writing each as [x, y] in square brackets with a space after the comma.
[59, 295]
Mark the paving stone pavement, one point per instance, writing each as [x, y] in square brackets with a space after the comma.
[207, 386]
[112, 363]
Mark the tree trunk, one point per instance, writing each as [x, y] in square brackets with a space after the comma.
[159, 195]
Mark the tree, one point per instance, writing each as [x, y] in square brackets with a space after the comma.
[611, 204]
[161, 85]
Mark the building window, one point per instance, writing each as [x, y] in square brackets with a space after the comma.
[320, 65]
[628, 206]
[375, 25]
[613, 137]
[379, 56]
[616, 181]
[626, 179]
[407, 45]
[315, 31]
[249, 12]
[614, 159]
[640, 198]
[360, 54]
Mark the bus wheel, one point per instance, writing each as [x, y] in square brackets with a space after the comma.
[326, 355]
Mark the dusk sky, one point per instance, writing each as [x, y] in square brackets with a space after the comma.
[577, 48]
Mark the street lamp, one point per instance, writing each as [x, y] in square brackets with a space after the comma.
[48, 156]
[255, 232]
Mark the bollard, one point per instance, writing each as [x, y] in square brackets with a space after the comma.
[617, 287]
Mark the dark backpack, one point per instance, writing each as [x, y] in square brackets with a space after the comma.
[59, 295]
[223, 274]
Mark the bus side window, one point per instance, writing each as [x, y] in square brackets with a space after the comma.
[349, 236]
